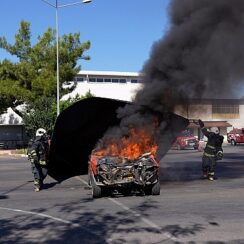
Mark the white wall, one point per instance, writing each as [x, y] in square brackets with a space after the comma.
[120, 91]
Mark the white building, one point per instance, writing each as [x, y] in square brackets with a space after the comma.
[225, 113]
[108, 84]
[12, 132]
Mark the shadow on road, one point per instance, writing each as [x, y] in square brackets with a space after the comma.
[50, 185]
[92, 226]
[231, 167]
[89, 227]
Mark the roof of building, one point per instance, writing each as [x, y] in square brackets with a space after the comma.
[109, 73]
[209, 124]
[10, 118]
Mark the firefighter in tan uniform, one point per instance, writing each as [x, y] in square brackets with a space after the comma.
[37, 155]
[212, 152]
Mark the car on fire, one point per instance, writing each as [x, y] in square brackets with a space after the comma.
[235, 136]
[108, 174]
[185, 141]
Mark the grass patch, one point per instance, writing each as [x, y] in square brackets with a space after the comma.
[21, 151]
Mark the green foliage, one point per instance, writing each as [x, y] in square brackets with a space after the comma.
[65, 104]
[40, 114]
[33, 76]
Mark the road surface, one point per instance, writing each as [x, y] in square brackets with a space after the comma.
[189, 210]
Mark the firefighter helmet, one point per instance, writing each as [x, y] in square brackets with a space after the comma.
[41, 132]
[214, 130]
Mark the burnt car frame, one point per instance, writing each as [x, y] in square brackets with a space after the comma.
[108, 174]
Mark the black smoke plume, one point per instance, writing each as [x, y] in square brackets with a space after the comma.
[201, 56]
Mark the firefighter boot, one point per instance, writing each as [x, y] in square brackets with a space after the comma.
[36, 186]
[204, 175]
[211, 176]
[37, 189]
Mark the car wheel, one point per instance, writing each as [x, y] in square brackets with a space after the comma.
[233, 142]
[156, 189]
[178, 147]
[96, 190]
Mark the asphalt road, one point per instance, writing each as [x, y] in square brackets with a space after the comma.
[189, 210]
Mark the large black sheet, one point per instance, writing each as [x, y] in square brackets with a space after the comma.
[79, 127]
[76, 132]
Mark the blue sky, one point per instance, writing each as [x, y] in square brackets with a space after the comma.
[121, 32]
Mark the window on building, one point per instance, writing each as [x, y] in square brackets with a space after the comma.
[91, 79]
[99, 79]
[115, 80]
[107, 80]
[225, 111]
[122, 80]
[79, 79]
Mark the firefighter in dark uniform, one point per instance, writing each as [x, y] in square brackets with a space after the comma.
[212, 152]
[37, 154]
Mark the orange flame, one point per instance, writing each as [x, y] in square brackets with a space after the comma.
[133, 145]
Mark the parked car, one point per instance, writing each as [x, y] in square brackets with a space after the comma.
[185, 141]
[107, 174]
[235, 136]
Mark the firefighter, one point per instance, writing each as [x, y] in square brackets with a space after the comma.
[37, 155]
[212, 152]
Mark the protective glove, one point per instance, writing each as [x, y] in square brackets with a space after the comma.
[200, 123]
[219, 155]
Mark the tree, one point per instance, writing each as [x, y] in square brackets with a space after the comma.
[65, 104]
[42, 113]
[34, 74]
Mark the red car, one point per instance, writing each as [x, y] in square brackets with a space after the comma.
[235, 136]
[185, 141]
[107, 174]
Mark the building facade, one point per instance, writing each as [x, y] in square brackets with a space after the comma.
[12, 131]
[225, 114]
[108, 84]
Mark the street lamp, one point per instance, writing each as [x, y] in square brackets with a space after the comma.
[57, 6]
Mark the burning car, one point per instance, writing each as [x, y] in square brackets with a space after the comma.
[113, 173]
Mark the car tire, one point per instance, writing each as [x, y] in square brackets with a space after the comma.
[96, 190]
[178, 147]
[233, 142]
[156, 189]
